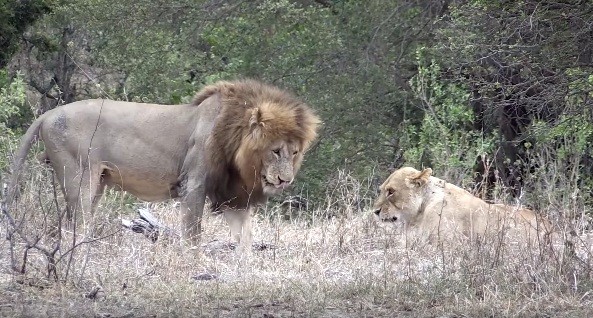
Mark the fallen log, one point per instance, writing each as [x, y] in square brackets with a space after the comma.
[148, 225]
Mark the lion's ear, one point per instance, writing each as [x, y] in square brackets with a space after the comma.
[420, 179]
[255, 123]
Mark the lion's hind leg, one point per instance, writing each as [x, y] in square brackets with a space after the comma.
[82, 186]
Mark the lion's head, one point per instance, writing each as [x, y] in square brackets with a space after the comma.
[402, 195]
[279, 165]
[273, 144]
[261, 137]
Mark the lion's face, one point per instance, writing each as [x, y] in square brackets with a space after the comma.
[401, 195]
[279, 166]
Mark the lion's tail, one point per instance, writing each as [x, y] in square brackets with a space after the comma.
[26, 142]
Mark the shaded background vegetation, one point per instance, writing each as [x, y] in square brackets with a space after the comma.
[493, 95]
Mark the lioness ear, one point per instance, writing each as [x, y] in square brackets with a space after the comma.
[420, 179]
[255, 123]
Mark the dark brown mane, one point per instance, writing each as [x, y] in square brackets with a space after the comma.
[234, 163]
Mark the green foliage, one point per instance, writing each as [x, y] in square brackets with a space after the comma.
[12, 99]
[142, 51]
[15, 17]
[278, 39]
[445, 138]
[570, 136]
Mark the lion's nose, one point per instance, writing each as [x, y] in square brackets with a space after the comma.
[283, 181]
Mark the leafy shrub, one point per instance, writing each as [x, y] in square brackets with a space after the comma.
[445, 139]
[12, 100]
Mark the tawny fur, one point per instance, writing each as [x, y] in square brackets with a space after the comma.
[236, 143]
[439, 209]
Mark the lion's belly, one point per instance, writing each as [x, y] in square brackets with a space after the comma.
[144, 187]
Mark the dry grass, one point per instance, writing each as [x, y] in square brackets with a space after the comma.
[343, 266]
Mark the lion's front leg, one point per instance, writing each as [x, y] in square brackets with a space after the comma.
[192, 209]
[239, 221]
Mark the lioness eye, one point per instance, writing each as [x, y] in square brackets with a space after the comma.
[390, 192]
[295, 152]
[276, 151]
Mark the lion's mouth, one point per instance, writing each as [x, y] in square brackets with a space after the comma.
[281, 185]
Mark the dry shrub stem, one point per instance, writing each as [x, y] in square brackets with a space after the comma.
[76, 208]
[33, 241]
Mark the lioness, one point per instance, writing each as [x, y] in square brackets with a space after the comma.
[436, 208]
[237, 143]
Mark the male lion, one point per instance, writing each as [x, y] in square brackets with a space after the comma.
[439, 209]
[237, 143]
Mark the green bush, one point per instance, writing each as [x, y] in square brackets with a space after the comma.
[12, 100]
[445, 139]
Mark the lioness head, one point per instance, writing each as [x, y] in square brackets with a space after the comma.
[401, 195]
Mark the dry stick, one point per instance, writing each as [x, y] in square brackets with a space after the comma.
[439, 239]
[60, 214]
[9, 235]
[28, 243]
[18, 230]
[44, 212]
[407, 249]
[85, 262]
[88, 241]
[87, 254]
[384, 261]
[499, 239]
[84, 167]
[51, 258]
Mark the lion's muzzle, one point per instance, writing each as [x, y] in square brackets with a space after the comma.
[283, 184]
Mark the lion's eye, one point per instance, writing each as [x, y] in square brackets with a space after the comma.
[295, 152]
[390, 192]
[276, 152]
